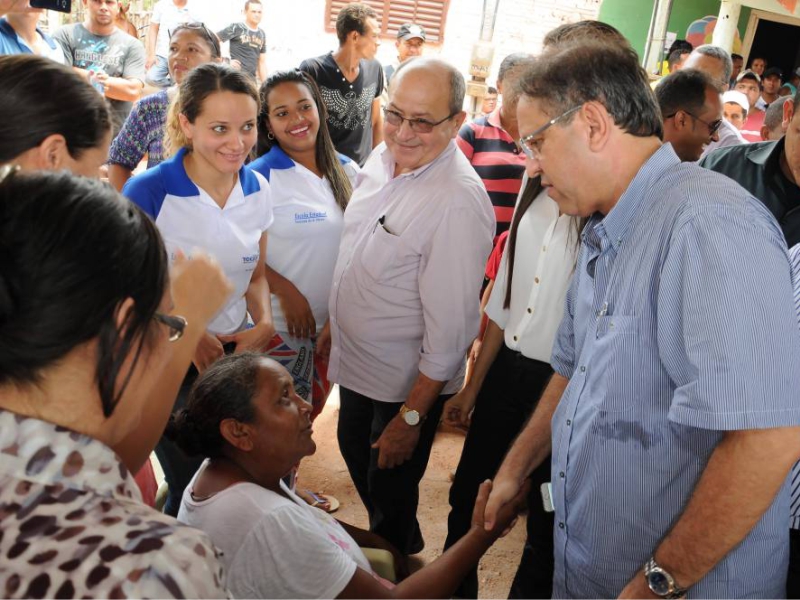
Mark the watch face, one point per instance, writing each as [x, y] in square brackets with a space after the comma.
[411, 417]
[658, 583]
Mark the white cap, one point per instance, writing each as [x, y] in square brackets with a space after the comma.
[738, 98]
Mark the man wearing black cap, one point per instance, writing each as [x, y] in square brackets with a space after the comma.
[770, 84]
[410, 41]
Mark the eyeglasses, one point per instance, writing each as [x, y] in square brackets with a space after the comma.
[175, 323]
[713, 127]
[532, 147]
[395, 119]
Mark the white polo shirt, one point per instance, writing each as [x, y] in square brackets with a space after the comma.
[188, 218]
[304, 237]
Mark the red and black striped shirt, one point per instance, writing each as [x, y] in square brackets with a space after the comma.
[498, 162]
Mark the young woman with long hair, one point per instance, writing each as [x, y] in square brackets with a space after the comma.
[203, 197]
[311, 184]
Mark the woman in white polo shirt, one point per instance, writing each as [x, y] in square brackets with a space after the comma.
[203, 197]
[511, 370]
[311, 184]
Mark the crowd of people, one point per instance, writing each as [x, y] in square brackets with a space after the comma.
[597, 279]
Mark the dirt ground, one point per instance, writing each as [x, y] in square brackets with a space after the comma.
[326, 472]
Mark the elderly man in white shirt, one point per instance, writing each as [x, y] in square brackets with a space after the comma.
[404, 306]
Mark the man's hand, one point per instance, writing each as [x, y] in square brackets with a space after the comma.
[637, 588]
[149, 62]
[396, 444]
[507, 514]
[236, 64]
[504, 492]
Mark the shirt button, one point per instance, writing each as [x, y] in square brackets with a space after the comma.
[562, 475]
[516, 338]
[583, 369]
[569, 422]
[535, 280]
[530, 310]
[544, 248]
[561, 525]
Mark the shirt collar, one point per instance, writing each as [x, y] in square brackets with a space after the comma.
[48, 454]
[617, 222]
[493, 118]
[177, 182]
[767, 155]
[389, 164]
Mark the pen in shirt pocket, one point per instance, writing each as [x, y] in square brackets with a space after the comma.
[382, 223]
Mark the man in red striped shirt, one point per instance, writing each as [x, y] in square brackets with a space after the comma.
[490, 143]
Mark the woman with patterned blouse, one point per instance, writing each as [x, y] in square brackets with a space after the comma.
[190, 46]
[89, 355]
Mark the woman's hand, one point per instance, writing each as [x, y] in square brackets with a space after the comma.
[209, 350]
[457, 410]
[199, 288]
[324, 341]
[299, 318]
[255, 339]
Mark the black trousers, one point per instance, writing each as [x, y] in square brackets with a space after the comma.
[389, 495]
[793, 579]
[509, 394]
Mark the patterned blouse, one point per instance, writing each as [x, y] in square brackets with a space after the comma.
[72, 524]
[142, 133]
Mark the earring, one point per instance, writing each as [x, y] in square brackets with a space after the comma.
[270, 136]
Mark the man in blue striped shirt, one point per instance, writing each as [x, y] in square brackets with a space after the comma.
[673, 414]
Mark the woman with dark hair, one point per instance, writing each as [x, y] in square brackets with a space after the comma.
[511, 370]
[203, 197]
[91, 345]
[190, 45]
[311, 184]
[50, 118]
[66, 126]
[244, 415]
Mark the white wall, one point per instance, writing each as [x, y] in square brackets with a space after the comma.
[296, 30]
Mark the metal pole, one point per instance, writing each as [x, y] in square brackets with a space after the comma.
[654, 49]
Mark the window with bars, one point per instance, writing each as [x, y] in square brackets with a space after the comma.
[430, 14]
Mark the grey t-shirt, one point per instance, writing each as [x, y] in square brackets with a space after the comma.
[118, 55]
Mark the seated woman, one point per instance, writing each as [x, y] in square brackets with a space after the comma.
[89, 335]
[244, 415]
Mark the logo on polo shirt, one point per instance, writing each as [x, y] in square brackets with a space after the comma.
[250, 259]
[310, 217]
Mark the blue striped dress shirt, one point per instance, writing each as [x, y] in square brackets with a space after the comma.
[678, 326]
[794, 258]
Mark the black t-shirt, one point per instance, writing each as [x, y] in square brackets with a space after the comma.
[349, 104]
[246, 45]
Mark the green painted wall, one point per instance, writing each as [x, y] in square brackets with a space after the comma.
[632, 17]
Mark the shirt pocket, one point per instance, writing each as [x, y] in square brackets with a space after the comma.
[386, 259]
[619, 351]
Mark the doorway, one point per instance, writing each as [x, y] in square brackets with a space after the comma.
[774, 37]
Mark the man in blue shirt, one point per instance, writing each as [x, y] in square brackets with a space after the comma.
[672, 414]
[20, 34]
